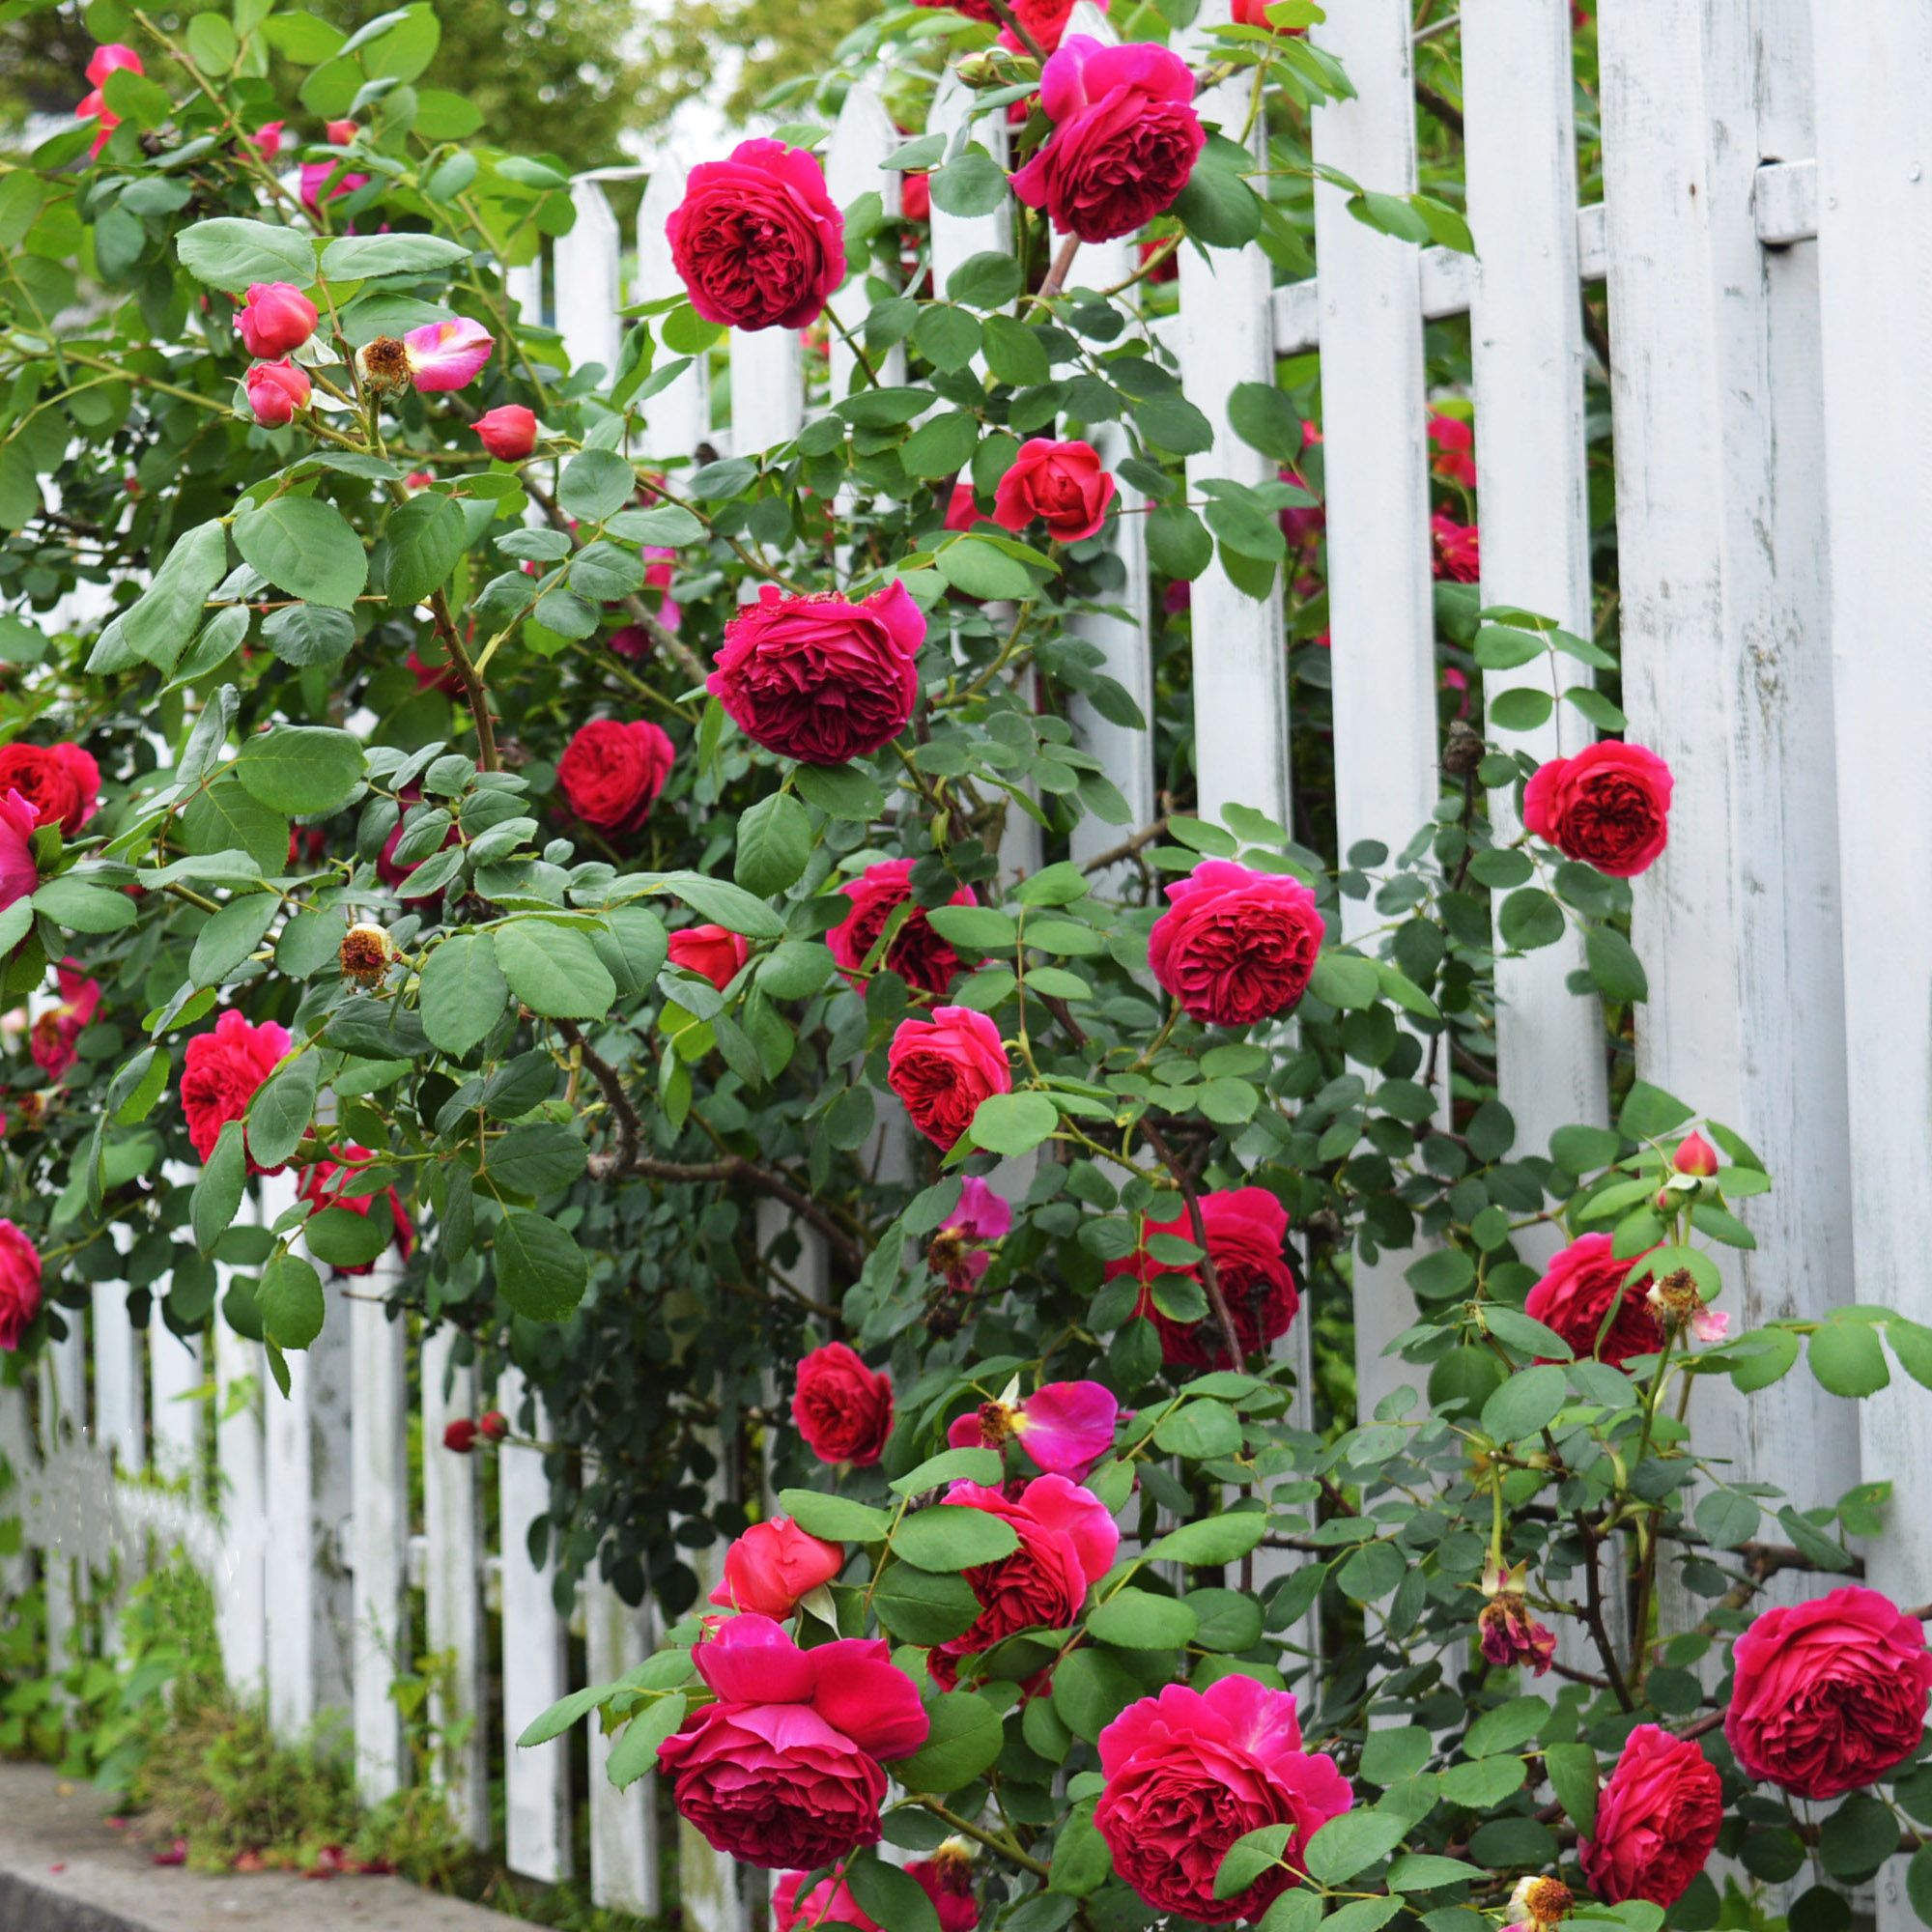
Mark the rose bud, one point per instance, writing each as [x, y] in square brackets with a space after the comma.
[267, 139]
[1064, 484]
[276, 318]
[773, 1565]
[276, 390]
[1696, 1155]
[460, 1435]
[509, 433]
[709, 951]
[494, 1426]
[341, 133]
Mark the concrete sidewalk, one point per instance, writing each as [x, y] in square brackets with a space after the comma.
[63, 1870]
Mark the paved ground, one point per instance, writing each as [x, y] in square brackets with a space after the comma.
[63, 1870]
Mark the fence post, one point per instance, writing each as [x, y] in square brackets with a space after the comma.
[64, 1419]
[379, 1528]
[1722, 564]
[1380, 599]
[862, 138]
[1526, 336]
[587, 275]
[623, 1824]
[240, 1596]
[678, 417]
[179, 1368]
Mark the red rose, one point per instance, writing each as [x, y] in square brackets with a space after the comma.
[1067, 1542]
[830, 1902]
[1254, 14]
[220, 1073]
[612, 772]
[494, 1426]
[19, 1285]
[1576, 1293]
[1656, 1820]
[460, 1437]
[440, 677]
[1829, 1696]
[944, 1066]
[973, 10]
[1607, 805]
[843, 1408]
[276, 390]
[962, 508]
[60, 782]
[821, 680]
[1235, 947]
[508, 431]
[916, 195]
[1124, 139]
[276, 318]
[1247, 1240]
[327, 1182]
[773, 1565]
[1454, 443]
[947, 1879]
[1456, 549]
[918, 955]
[1063, 484]
[54, 1038]
[757, 241]
[852, 1684]
[711, 951]
[1190, 1771]
[1044, 19]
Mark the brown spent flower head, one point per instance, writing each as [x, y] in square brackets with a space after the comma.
[996, 1424]
[384, 364]
[1541, 1902]
[1674, 1299]
[1463, 750]
[365, 955]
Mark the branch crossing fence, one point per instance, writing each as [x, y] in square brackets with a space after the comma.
[1766, 236]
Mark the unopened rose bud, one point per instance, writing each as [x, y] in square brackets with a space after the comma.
[509, 432]
[340, 133]
[276, 390]
[276, 318]
[365, 953]
[460, 1435]
[1696, 1155]
[494, 1426]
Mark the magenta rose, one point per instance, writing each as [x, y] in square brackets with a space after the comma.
[821, 680]
[1576, 1293]
[944, 1066]
[1125, 140]
[1190, 1771]
[220, 1073]
[1235, 947]
[1247, 1240]
[1656, 1820]
[54, 1040]
[918, 955]
[758, 240]
[1064, 484]
[20, 875]
[1830, 1694]
[1063, 1428]
[1608, 806]
[612, 772]
[1067, 1542]
[1455, 549]
[19, 1285]
[843, 1408]
[769, 1568]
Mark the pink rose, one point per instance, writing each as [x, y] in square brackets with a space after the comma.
[53, 1039]
[1125, 140]
[918, 955]
[1829, 1696]
[508, 431]
[19, 874]
[1044, 19]
[1235, 947]
[944, 1066]
[711, 951]
[61, 782]
[1064, 484]
[1063, 1428]
[843, 1408]
[276, 390]
[1190, 1771]
[340, 133]
[447, 355]
[267, 139]
[111, 58]
[821, 680]
[758, 240]
[221, 1072]
[19, 1285]
[314, 173]
[1575, 1294]
[853, 1684]
[1696, 1155]
[1656, 1820]
[1608, 806]
[612, 773]
[772, 1565]
[1510, 1634]
[276, 318]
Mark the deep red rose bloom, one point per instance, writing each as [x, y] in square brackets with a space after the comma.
[1124, 139]
[944, 1066]
[947, 1879]
[1575, 1294]
[1064, 484]
[1456, 549]
[1067, 1542]
[329, 1183]
[1829, 1696]
[1235, 947]
[918, 955]
[60, 782]
[769, 1568]
[19, 1285]
[1190, 1771]
[758, 240]
[220, 1073]
[1657, 1821]
[821, 680]
[843, 1408]
[1247, 1237]
[1608, 806]
[508, 431]
[711, 951]
[460, 1435]
[612, 772]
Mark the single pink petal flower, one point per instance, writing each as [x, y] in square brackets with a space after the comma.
[1710, 1324]
[1065, 1428]
[107, 59]
[448, 355]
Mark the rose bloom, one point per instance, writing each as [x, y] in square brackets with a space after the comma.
[328, 1185]
[1575, 1294]
[19, 1285]
[1656, 1820]
[821, 680]
[1829, 1696]
[1512, 1634]
[1063, 484]
[1454, 443]
[60, 782]
[711, 951]
[221, 1074]
[612, 772]
[944, 1066]
[103, 61]
[962, 508]
[267, 139]
[758, 240]
[447, 355]
[1696, 1155]
[1044, 19]
[1190, 1771]
[1234, 947]
[440, 677]
[830, 1902]
[19, 874]
[276, 318]
[1124, 139]
[1063, 1428]
[509, 432]
[769, 1568]
[1247, 1238]
[1067, 1542]
[947, 1879]
[1608, 806]
[1456, 549]
[843, 1408]
[276, 390]
[918, 955]
[52, 1040]
[315, 173]
[960, 1250]
[916, 195]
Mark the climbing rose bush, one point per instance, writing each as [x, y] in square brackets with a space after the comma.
[689, 929]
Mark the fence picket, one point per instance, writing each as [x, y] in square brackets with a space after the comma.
[678, 417]
[239, 1596]
[861, 137]
[586, 272]
[119, 1380]
[623, 1824]
[379, 1528]
[176, 1368]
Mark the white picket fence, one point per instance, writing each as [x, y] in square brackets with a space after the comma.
[1767, 238]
